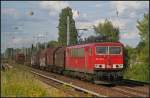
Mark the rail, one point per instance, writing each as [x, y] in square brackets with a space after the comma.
[135, 82]
[73, 86]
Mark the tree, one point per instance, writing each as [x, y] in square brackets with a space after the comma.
[32, 47]
[143, 27]
[143, 46]
[129, 55]
[140, 55]
[9, 53]
[62, 39]
[52, 44]
[40, 46]
[108, 30]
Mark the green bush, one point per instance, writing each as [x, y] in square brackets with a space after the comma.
[138, 72]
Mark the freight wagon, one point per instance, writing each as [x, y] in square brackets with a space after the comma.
[20, 58]
[50, 58]
[35, 59]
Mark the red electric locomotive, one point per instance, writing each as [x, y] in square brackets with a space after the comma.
[102, 60]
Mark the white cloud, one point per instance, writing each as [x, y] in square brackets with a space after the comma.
[41, 35]
[84, 24]
[131, 10]
[10, 40]
[125, 34]
[123, 6]
[132, 15]
[130, 34]
[85, 15]
[120, 22]
[54, 7]
[75, 14]
[97, 5]
[10, 11]
[17, 40]
[115, 22]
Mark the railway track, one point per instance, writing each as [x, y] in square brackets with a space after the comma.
[130, 92]
[132, 87]
[121, 90]
[70, 85]
[134, 82]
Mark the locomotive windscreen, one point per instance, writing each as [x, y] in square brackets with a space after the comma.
[108, 50]
[114, 50]
[101, 50]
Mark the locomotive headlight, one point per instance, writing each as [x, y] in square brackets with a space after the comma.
[99, 66]
[121, 66]
[117, 65]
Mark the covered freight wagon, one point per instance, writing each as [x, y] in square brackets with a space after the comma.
[20, 58]
[42, 59]
[35, 59]
[50, 58]
[59, 59]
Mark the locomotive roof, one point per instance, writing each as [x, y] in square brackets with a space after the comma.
[97, 43]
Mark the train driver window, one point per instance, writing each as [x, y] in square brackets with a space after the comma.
[101, 50]
[114, 50]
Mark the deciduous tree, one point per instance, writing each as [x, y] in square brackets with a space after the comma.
[143, 46]
[62, 27]
[52, 44]
[108, 30]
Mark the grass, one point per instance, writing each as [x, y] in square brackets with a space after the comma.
[16, 82]
[139, 72]
[75, 95]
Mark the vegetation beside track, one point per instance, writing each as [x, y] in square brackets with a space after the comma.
[16, 82]
[138, 72]
[138, 57]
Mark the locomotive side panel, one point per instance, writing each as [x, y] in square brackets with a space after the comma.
[73, 62]
[79, 59]
[89, 58]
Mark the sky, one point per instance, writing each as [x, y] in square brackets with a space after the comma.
[21, 29]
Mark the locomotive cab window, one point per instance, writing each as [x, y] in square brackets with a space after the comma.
[114, 50]
[101, 50]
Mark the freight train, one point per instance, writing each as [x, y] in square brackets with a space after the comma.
[102, 61]
[20, 58]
